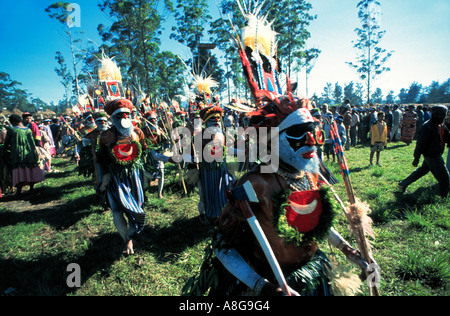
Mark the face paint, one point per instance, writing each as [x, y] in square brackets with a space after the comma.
[214, 122]
[101, 124]
[228, 121]
[123, 124]
[300, 151]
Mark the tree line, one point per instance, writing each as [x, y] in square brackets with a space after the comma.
[435, 93]
[133, 37]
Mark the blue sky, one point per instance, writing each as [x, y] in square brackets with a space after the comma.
[418, 32]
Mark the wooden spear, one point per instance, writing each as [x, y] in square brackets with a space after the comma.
[355, 221]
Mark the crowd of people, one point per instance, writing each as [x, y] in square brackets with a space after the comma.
[270, 221]
[374, 125]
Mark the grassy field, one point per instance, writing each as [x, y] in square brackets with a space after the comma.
[63, 222]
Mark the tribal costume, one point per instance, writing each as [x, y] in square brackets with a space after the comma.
[154, 166]
[120, 151]
[89, 162]
[214, 178]
[294, 210]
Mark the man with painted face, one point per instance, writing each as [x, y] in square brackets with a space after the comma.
[120, 151]
[88, 164]
[433, 136]
[294, 211]
[214, 179]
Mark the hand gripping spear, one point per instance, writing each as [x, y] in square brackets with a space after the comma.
[244, 194]
[352, 216]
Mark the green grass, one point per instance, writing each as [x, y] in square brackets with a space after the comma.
[411, 244]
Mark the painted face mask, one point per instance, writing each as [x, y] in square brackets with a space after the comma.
[90, 122]
[298, 146]
[228, 121]
[214, 122]
[102, 124]
[123, 124]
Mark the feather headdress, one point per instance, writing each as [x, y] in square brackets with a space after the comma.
[109, 70]
[204, 85]
[258, 51]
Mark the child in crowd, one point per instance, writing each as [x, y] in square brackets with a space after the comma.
[378, 137]
[328, 146]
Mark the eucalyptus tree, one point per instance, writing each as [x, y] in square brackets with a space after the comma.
[11, 96]
[64, 74]
[134, 36]
[291, 19]
[370, 63]
[61, 12]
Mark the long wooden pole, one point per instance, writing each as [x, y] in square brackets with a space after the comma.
[358, 230]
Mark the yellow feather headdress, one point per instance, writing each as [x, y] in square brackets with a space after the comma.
[109, 70]
[204, 85]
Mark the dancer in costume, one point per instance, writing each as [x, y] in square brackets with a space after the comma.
[294, 209]
[120, 151]
[88, 125]
[214, 178]
[155, 160]
[89, 163]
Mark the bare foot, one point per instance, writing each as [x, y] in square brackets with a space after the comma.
[128, 248]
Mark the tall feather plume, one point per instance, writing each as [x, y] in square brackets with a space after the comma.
[258, 48]
[204, 85]
[109, 69]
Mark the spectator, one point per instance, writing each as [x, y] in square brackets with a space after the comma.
[378, 136]
[27, 119]
[389, 118]
[397, 116]
[328, 148]
[56, 133]
[20, 150]
[409, 125]
[431, 145]
[354, 126]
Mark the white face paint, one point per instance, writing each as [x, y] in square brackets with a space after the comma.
[102, 125]
[123, 124]
[305, 158]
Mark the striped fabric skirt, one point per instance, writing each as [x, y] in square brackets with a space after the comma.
[125, 194]
[215, 183]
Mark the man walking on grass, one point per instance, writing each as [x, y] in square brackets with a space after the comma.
[431, 141]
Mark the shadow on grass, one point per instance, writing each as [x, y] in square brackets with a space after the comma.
[60, 215]
[165, 243]
[403, 202]
[47, 275]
